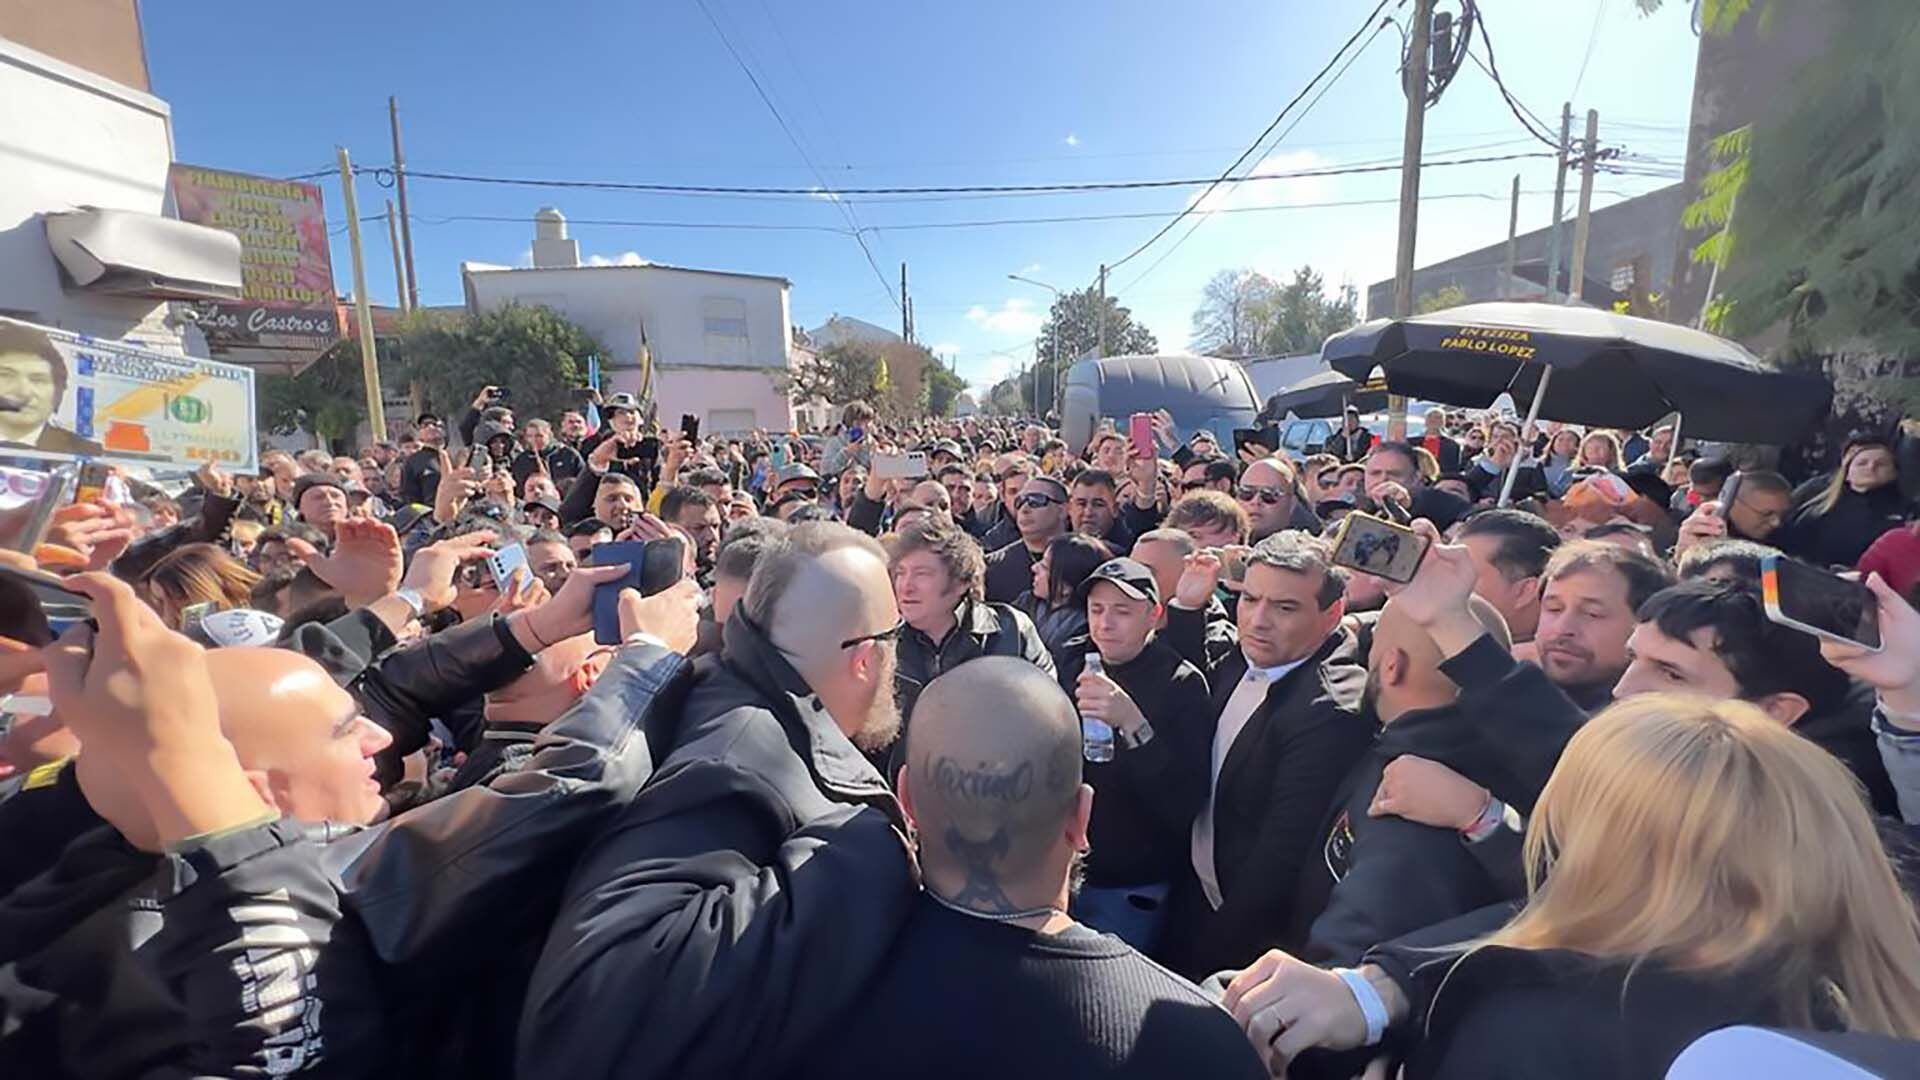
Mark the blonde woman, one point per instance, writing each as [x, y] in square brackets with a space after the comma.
[1600, 450]
[1692, 864]
[195, 574]
[1860, 502]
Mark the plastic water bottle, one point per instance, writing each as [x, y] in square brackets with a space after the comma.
[1096, 736]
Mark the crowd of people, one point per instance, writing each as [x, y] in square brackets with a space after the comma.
[955, 752]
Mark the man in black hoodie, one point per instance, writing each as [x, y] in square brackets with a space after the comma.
[1153, 786]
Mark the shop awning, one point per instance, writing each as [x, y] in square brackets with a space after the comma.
[129, 253]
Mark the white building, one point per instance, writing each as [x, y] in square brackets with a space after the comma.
[84, 149]
[720, 341]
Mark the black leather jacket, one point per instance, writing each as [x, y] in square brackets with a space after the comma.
[216, 513]
[403, 926]
[982, 629]
[736, 908]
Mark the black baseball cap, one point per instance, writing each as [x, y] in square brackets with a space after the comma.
[309, 482]
[1128, 575]
[427, 417]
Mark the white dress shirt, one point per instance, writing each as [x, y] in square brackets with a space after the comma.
[1247, 697]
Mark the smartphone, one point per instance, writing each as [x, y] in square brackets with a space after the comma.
[1819, 603]
[480, 459]
[1233, 561]
[652, 566]
[504, 561]
[93, 482]
[1260, 438]
[690, 427]
[30, 589]
[906, 466]
[1729, 491]
[502, 394]
[1140, 433]
[1378, 547]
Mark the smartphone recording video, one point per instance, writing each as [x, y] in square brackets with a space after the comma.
[1819, 603]
[1381, 548]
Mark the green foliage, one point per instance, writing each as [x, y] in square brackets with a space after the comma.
[329, 398]
[534, 351]
[1072, 329]
[939, 390]
[1720, 16]
[1303, 316]
[1828, 234]
[1719, 192]
[841, 373]
[1446, 296]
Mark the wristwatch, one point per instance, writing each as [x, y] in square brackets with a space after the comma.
[414, 599]
[1138, 738]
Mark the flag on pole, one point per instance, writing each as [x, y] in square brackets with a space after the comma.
[645, 361]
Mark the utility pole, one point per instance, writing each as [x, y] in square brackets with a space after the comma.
[1513, 231]
[1589, 151]
[1100, 316]
[1559, 200]
[399, 274]
[1576, 277]
[369, 360]
[906, 306]
[406, 217]
[1415, 86]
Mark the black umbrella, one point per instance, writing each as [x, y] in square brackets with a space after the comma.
[1327, 393]
[1586, 366]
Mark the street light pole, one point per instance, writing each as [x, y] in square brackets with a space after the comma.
[1055, 350]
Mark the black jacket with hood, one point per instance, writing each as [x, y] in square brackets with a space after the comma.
[396, 950]
[738, 906]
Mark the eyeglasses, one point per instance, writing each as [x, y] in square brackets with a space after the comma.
[1268, 495]
[891, 633]
[1035, 500]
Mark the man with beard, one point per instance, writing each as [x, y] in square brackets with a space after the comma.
[731, 913]
[1587, 613]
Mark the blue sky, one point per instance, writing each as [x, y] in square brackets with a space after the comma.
[907, 94]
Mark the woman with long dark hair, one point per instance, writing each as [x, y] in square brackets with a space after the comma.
[1054, 604]
[1860, 502]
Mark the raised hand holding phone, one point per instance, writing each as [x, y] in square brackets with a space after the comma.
[1894, 670]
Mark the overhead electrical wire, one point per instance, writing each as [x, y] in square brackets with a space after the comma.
[1258, 141]
[845, 210]
[1198, 221]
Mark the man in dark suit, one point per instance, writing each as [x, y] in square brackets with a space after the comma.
[1286, 727]
[33, 379]
[1393, 474]
[1352, 441]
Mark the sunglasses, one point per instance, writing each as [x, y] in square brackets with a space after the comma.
[1192, 485]
[1269, 496]
[1034, 500]
[891, 633]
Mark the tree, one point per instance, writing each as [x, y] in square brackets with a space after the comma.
[1235, 314]
[940, 389]
[1072, 325]
[840, 373]
[534, 352]
[1304, 316]
[328, 398]
[1817, 219]
[1446, 296]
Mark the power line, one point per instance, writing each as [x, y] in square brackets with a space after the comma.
[1593, 37]
[952, 189]
[1258, 141]
[845, 210]
[1195, 227]
[521, 219]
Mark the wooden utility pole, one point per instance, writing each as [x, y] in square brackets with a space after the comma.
[369, 360]
[906, 306]
[1577, 269]
[406, 217]
[1415, 85]
[1513, 232]
[1100, 316]
[1559, 200]
[399, 274]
